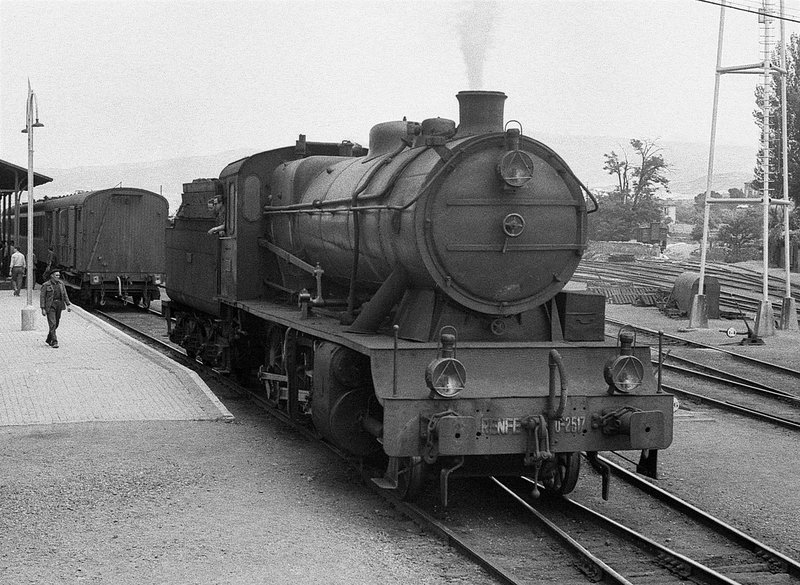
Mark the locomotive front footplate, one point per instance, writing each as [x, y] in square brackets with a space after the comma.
[506, 426]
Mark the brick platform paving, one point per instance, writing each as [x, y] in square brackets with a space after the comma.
[97, 374]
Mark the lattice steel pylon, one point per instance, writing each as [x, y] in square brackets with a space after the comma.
[764, 323]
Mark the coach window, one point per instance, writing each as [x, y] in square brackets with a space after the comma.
[38, 226]
[231, 211]
[251, 206]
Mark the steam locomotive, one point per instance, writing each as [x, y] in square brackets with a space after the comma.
[409, 299]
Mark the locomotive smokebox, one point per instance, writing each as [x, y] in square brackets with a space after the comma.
[480, 112]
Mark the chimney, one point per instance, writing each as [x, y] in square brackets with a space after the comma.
[480, 112]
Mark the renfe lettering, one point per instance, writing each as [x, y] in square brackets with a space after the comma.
[501, 426]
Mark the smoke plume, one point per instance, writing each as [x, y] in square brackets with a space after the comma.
[475, 24]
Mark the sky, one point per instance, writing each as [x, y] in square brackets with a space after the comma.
[132, 81]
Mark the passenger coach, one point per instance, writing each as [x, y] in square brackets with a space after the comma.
[107, 242]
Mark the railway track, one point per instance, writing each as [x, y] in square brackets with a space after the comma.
[477, 538]
[726, 379]
[655, 551]
[740, 288]
[609, 551]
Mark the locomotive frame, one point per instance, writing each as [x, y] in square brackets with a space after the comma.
[410, 300]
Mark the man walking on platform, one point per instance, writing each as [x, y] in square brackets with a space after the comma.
[52, 299]
[16, 269]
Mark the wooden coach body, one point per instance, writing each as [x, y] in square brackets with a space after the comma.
[106, 241]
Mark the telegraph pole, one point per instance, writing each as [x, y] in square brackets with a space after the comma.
[764, 322]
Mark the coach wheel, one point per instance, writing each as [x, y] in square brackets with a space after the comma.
[141, 302]
[560, 476]
[194, 339]
[410, 477]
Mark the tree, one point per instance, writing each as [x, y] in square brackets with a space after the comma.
[632, 203]
[699, 217]
[617, 220]
[741, 235]
[735, 193]
[638, 182]
[792, 79]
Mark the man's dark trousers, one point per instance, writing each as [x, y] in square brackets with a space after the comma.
[53, 319]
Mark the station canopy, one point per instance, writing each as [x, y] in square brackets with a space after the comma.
[13, 177]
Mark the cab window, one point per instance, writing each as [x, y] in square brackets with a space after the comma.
[230, 211]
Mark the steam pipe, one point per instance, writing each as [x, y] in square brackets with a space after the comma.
[321, 205]
[373, 312]
[555, 362]
[351, 297]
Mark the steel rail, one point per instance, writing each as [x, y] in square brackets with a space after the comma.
[733, 382]
[770, 365]
[741, 380]
[684, 566]
[594, 568]
[417, 514]
[776, 558]
[175, 353]
[422, 518]
[737, 408]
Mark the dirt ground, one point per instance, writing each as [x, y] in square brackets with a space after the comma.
[201, 503]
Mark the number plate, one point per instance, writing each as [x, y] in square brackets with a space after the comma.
[570, 424]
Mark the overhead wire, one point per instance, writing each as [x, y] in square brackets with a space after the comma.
[754, 10]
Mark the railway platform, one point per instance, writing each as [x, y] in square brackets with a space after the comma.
[97, 374]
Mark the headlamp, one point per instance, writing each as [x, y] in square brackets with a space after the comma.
[624, 374]
[446, 376]
[515, 168]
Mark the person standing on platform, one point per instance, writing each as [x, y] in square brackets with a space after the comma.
[52, 299]
[33, 269]
[16, 269]
[52, 259]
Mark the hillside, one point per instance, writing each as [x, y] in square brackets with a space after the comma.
[584, 154]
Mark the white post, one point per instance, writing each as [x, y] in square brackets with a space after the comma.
[29, 312]
[698, 313]
[765, 320]
[788, 320]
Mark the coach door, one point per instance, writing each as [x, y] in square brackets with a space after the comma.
[66, 236]
[227, 264]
